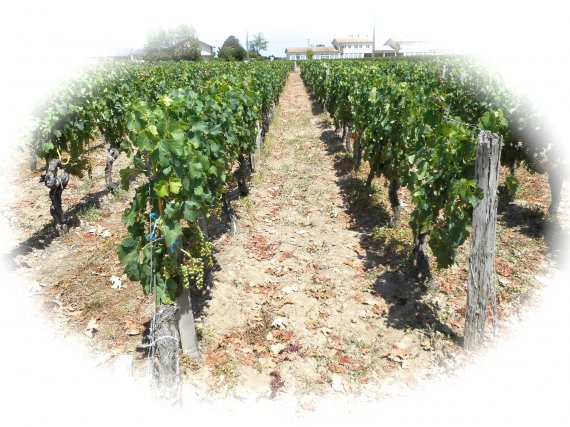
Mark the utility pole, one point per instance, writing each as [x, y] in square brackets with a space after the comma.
[308, 42]
[373, 39]
[247, 44]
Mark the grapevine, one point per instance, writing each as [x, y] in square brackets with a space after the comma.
[418, 125]
[183, 127]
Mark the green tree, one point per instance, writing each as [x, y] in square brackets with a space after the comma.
[310, 54]
[179, 43]
[232, 50]
[258, 43]
[251, 54]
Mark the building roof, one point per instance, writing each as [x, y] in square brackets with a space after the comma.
[315, 49]
[352, 40]
[204, 43]
[393, 42]
[385, 48]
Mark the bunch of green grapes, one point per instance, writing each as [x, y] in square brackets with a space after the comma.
[193, 268]
[169, 267]
[198, 255]
[199, 246]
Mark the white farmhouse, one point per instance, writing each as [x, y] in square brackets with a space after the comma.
[319, 52]
[403, 47]
[353, 47]
[206, 50]
[384, 51]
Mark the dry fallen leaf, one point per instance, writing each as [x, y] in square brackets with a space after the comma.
[35, 288]
[312, 324]
[359, 251]
[370, 302]
[117, 283]
[290, 289]
[277, 348]
[258, 348]
[336, 383]
[280, 322]
[308, 406]
[504, 269]
[91, 328]
[276, 383]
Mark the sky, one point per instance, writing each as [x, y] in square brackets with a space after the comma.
[43, 41]
[75, 26]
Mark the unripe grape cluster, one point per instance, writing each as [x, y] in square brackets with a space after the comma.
[169, 265]
[193, 268]
[189, 264]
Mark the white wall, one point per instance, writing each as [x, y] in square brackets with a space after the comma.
[303, 56]
[356, 50]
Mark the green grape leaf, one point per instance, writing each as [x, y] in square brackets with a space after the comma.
[171, 231]
[161, 188]
[191, 210]
[175, 184]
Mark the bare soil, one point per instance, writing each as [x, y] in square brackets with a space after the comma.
[312, 296]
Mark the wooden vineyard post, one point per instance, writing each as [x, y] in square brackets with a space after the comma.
[166, 378]
[482, 258]
[255, 155]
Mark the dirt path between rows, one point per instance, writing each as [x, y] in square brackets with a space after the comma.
[300, 305]
[310, 298]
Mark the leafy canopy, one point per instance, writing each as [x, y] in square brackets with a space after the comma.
[232, 50]
[258, 43]
[174, 44]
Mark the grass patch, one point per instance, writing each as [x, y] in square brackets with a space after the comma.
[189, 365]
[294, 141]
[258, 177]
[245, 206]
[90, 213]
[86, 184]
[394, 242]
[120, 194]
[227, 374]
[95, 304]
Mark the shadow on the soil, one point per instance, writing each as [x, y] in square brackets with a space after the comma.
[371, 217]
[534, 223]
[317, 108]
[407, 310]
[43, 237]
[217, 227]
